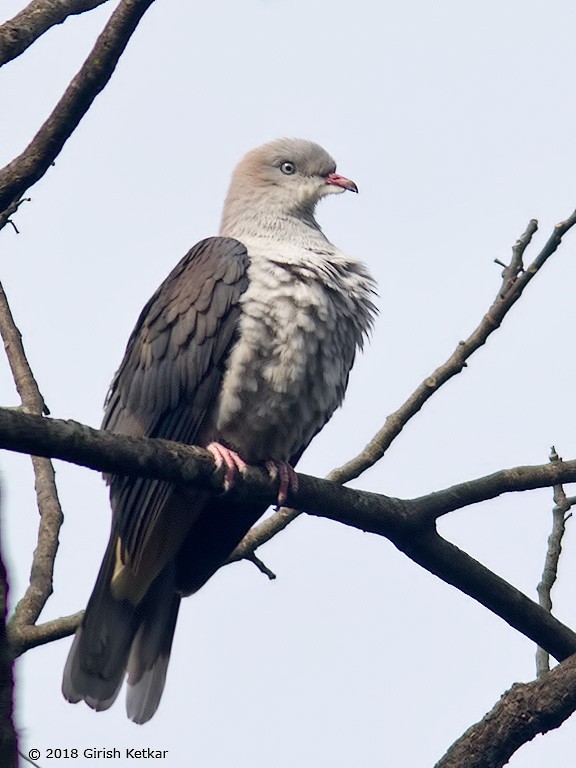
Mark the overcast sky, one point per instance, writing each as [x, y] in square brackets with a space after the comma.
[457, 121]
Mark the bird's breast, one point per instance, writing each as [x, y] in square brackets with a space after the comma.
[288, 370]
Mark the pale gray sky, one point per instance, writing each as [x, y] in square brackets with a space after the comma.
[457, 121]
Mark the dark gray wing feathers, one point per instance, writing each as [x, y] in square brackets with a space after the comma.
[167, 386]
[168, 382]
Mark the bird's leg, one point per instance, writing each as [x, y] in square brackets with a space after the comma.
[287, 479]
[230, 459]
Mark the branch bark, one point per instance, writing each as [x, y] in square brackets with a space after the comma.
[514, 280]
[42, 572]
[18, 34]
[554, 550]
[522, 713]
[32, 164]
[8, 737]
[409, 524]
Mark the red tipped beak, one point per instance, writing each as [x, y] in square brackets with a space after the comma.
[341, 181]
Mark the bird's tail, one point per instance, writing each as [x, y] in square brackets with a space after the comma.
[117, 636]
[150, 651]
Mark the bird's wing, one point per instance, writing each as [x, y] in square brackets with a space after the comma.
[168, 382]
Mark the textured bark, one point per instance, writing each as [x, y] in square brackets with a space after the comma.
[18, 34]
[32, 164]
[409, 524]
[523, 712]
[8, 739]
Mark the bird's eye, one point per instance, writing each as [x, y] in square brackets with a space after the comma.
[288, 168]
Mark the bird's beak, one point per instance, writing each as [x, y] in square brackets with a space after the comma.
[341, 181]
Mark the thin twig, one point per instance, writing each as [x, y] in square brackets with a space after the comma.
[18, 34]
[10, 211]
[32, 164]
[262, 567]
[42, 571]
[29, 760]
[263, 532]
[554, 550]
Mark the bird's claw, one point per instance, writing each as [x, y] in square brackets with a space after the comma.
[287, 479]
[233, 463]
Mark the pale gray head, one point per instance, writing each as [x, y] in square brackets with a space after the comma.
[284, 178]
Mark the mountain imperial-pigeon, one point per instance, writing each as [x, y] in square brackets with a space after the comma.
[245, 349]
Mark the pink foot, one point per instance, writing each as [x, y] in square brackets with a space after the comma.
[225, 457]
[287, 479]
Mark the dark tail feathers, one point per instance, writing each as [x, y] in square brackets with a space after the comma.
[116, 637]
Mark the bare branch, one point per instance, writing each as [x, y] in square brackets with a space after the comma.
[32, 164]
[24, 637]
[553, 552]
[508, 293]
[28, 760]
[26, 386]
[514, 280]
[107, 452]
[263, 532]
[51, 518]
[150, 457]
[8, 737]
[409, 524]
[522, 713]
[17, 34]
[434, 505]
[262, 567]
[456, 567]
[10, 211]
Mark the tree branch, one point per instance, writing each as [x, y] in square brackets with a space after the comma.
[8, 737]
[514, 280]
[24, 637]
[26, 386]
[554, 550]
[18, 34]
[434, 505]
[456, 567]
[522, 713]
[32, 164]
[409, 524]
[10, 211]
[41, 575]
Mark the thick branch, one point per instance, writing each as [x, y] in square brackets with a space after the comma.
[33, 163]
[403, 522]
[522, 713]
[17, 34]
[456, 567]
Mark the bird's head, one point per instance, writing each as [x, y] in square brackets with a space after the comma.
[286, 176]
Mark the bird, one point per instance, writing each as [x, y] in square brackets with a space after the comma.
[245, 349]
